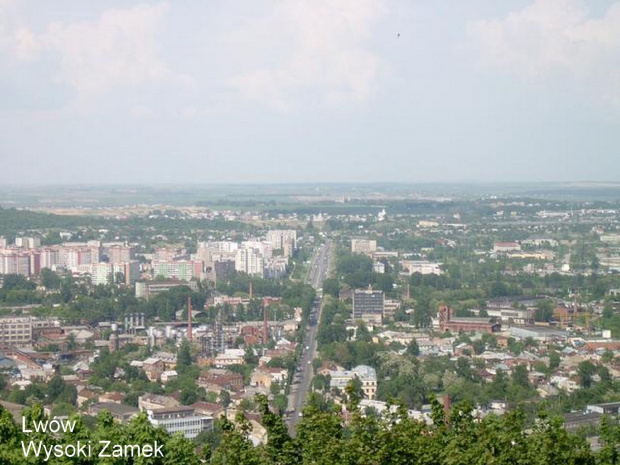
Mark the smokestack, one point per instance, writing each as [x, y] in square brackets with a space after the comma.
[265, 328]
[446, 406]
[189, 319]
[250, 290]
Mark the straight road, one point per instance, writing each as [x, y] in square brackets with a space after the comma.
[319, 268]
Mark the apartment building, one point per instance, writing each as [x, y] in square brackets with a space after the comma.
[251, 261]
[183, 270]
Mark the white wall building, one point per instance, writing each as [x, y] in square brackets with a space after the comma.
[181, 419]
[410, 267]
[366, 246]
[251, 261]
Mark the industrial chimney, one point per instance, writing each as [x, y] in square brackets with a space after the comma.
[189, 319]
[446, 406]
[265, 327]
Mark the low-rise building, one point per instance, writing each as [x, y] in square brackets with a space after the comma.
[120, 412]
[538, 333]
[150, 401]
[448, 322]
[366, 374]
[183, 419]
[21, 331]
[410, 267]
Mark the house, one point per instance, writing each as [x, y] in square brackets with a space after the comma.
[463, 349]
[564, 383]
[150, 401]
[206, 408]
[120, 412]
[112, 397]
[153, 368]
[265, 377]
[366, 374]
[229, 357]
[169, 360]
[86, 395]
[168, 376]
[221, 379]
[82, 336]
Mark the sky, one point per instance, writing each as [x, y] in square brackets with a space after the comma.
[281, 91]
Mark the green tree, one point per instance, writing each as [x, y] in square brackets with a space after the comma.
[281, 448]
[520, 376]
[49, 279]
[224, 398]
[413, 349]
[554, 360]
[585, 371]
[189, 396]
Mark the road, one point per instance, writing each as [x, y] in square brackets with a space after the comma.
[319, 268]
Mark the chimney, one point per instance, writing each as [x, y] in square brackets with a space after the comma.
[189, 319]
[265, 328]
[250, 290]
[446, 406]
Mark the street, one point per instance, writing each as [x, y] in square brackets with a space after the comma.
[319, 268]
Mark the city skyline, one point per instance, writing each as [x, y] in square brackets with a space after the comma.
[293, 92]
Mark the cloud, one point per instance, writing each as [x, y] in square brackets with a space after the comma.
[321, 55]
[118, 49]
[10, 36]
[554, 38]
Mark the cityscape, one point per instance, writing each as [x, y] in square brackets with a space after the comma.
[354, 306]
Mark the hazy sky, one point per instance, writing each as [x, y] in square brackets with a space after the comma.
[305, 91]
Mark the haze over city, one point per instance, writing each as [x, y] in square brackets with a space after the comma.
[292, 91]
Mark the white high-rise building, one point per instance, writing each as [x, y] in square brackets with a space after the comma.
[278, 238]
[220, 246]
[14, 262]
[250, 260]
[102, 273]
[106, 273]
[28, 242]
[263, 247]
